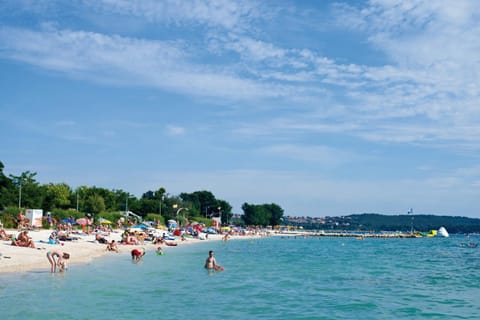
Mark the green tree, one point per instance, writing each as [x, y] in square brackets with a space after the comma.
[94, 203]
[57, 196]
[276, 213]
[30, 193]
[204, 202]
[151, 201]
[255, 215]
[7, 190]
[225, 211]
[262, 215]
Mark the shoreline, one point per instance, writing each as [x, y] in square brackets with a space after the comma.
[15, 259]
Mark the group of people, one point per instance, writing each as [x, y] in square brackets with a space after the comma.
[210, 264]
[23, 240]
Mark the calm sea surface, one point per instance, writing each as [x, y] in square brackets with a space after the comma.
[270, 278]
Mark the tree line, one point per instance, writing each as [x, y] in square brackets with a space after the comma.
[24, 191]
[381, 222]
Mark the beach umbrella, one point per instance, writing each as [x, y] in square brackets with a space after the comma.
[69, 220]
[82, 221]
[105, 221]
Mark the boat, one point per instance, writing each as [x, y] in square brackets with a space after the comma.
[442, 232]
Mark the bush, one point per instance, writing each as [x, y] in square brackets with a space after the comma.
[9, 221]
[9, 217]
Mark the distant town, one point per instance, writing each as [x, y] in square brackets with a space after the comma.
[381, 222]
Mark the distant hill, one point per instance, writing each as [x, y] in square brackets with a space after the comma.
[380, 222]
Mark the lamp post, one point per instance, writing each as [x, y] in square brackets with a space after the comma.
[20, 195]
[206, 211]
[160, 206]
[220, 214]
[126, 205]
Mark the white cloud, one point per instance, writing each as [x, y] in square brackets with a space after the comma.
[174, 130]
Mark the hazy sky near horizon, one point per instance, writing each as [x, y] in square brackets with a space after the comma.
[323, 107]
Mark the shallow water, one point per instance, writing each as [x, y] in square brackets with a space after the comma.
[270, 278]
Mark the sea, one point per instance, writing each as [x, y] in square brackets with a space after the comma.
[264, 278]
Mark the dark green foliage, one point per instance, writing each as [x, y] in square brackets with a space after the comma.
[262, 215]
[25, 192]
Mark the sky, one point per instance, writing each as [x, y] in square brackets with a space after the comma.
[325, 108]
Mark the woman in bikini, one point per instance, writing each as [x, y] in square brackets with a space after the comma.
[57, 259]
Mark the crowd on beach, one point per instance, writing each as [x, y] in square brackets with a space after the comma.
[127, 237]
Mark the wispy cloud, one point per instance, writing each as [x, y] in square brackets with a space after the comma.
[225, 14]
[427, 93]
[174, 130]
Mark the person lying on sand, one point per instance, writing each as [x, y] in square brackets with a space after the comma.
[4, 235]
[100, 238]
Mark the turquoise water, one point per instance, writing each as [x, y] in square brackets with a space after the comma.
[270, 278]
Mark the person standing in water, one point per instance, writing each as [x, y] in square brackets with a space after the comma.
[57, 259]
[137, 254]
[211, 263]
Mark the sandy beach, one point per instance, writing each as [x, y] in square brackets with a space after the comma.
[83, 250]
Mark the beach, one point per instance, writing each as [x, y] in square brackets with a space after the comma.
[83, 250]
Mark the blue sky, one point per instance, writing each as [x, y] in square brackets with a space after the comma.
[323, 107]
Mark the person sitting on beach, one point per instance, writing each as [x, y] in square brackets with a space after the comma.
[130, 239]
[158, 240]
[211, 263]
[23, 240]
[52, 239]
[4, 235]
[57, 259]
[112, 246]
[137, 254]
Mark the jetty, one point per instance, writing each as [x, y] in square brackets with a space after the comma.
[358, 235]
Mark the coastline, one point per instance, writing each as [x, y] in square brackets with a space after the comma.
[15, 259]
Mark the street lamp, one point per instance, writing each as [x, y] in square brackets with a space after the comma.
[206, 211]
[20, 195]
[220, 213]
[126, 205]
[160, 207]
